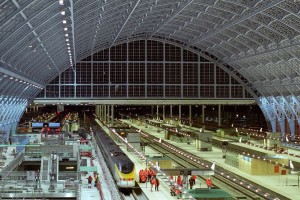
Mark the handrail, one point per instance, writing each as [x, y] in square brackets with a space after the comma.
[8, 168]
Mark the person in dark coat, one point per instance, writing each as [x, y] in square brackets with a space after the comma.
[156, 184]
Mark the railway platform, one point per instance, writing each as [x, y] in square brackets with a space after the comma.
[287, 185]
[164, 189]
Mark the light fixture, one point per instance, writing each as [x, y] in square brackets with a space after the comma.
[67, 40]
[66, 34]
[61, 2]
[65, 29]
[63, 12]
[69, 167]
[64, 21]
[68, 44]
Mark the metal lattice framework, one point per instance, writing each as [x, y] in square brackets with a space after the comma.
[256, 40]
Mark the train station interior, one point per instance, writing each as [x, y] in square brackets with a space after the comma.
[150, 99]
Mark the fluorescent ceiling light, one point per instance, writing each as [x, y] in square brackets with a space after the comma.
[63, 12]
[61, 2]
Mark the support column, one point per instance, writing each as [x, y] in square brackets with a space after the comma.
[171, 116]
[164, 113]
[282, 127]
[60, 107]
[13, 128]
[203, 114]
[97, 110]
[190, 115]
[108, 114]
[100, 112]
[273, 125]
[7, 130]
[112, 115]
[292, 128]
[104, 114]
[179, 114]
[219, 116]
[157, 112]
[152, 111]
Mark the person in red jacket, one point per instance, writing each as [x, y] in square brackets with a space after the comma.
[178, 180]
[90, 179]
[152, 182]
[208, 183]
[148, 174]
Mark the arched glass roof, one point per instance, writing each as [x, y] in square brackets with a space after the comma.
[258, 39]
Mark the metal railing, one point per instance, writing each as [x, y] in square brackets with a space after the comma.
[14, 163]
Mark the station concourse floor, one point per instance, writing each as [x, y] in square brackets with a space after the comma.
[287, 185]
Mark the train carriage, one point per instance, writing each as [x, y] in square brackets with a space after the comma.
[121, 167]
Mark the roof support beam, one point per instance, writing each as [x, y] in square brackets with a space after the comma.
[73, 33]
[93, 102]
[181, 8]
[12, 74]
[292, 44]
[35, 34]
[217, 30]
[128, 17]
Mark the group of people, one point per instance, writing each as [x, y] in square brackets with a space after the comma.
[146, 175]
[90, 179]
[150, 176]
[175, 191]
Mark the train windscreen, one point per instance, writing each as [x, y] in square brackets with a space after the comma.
[125, 167]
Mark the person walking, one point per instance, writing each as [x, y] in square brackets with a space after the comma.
[90, 179]
[156, 184]
[208, 183]
[152, 182]
[96, 179]
[148, 174]
[191, 182]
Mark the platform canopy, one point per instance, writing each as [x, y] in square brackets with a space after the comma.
[257, 40]
[88, 169]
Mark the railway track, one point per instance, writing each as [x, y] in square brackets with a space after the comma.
[135, 194]
[248, 188]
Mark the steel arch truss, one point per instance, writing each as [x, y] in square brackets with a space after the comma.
[11, 110]
[281, 109]
[257, 40]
